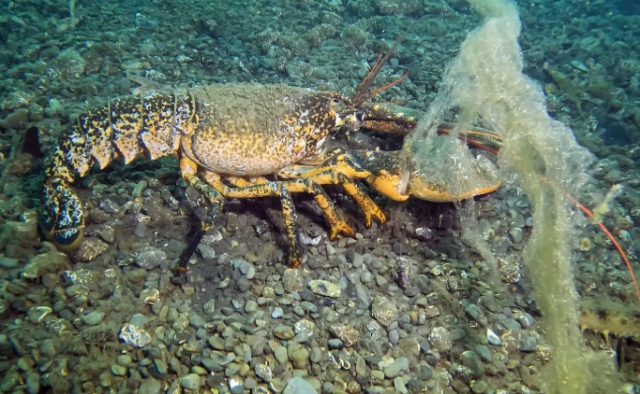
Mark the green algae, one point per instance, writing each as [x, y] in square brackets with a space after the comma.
[486, 84]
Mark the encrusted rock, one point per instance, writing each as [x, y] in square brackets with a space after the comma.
[90, 249]
[45, 263]
[134, 335]
[384, 311]
[347, 333]
[292, 280]
[324, 288]
[440, 339]
[150, 257]
[263, 372]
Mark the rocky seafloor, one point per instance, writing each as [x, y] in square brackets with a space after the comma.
[113, 317]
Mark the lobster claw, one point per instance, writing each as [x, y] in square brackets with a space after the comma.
[62, 218]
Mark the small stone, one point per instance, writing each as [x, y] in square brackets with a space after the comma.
[529, 344]
[292, 280]
[384, 311]
[93, 318]
[324, 288]
[298, 355]
[479, 386]
[396, 368]
[33, 383]
[206, 252]
[263, 372]
[283, 332]
[440, 339]
[335, 344]
[211, 365]
[151, 386]
[196, 321]
[124, 360]
[298, 385]
[161, 366]
[277, 313]
[471, 360]
[493, 338]
[347, 333]
[10, 380]
[251, 306]
[190, 382]
[8, 263]
[366, 277]
[118, 370]
[281, 355]
[394, 337]
[210, 307]
[484, 353]
[398, 385]
[426, 372]
[150, 257]
[377, 375]
[48, 348]
[38, 313]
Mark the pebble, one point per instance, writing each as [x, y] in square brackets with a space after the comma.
[210, 307]
[211, 365]
[398, 385]
[493, 338]
[206, 252]
[124, 360]
[440, 339]
[281, 355]
[292, 280]
[324, 288]
[118, 370]
[48, 348]
[283, 332]
[263, 372]
[335, 344]
[33, 383]
[93, 318]
[479, 386]
[251, 306]
[150, 257]
[396, 368]
[384, 311]
[190, 382]
[277, 313]
[298, 385]
[298, 355]
[529, 344]
[484, 353]
[471, 360]
[394, 337]
[161, 366]
[377, 375]
[366, 277]
[37, 314]
[151, 386]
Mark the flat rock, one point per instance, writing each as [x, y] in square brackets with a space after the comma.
[324, 288]
[298, 385]
[384, 311]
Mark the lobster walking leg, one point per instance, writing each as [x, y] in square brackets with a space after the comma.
[336, 222]
[189, 172]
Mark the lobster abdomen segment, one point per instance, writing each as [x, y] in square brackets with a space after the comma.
[126, 128]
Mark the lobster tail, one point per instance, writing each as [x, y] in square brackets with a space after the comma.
[123, 128]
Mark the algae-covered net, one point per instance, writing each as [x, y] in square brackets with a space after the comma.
[485, 84]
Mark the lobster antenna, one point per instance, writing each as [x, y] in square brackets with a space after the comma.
[363, 91]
